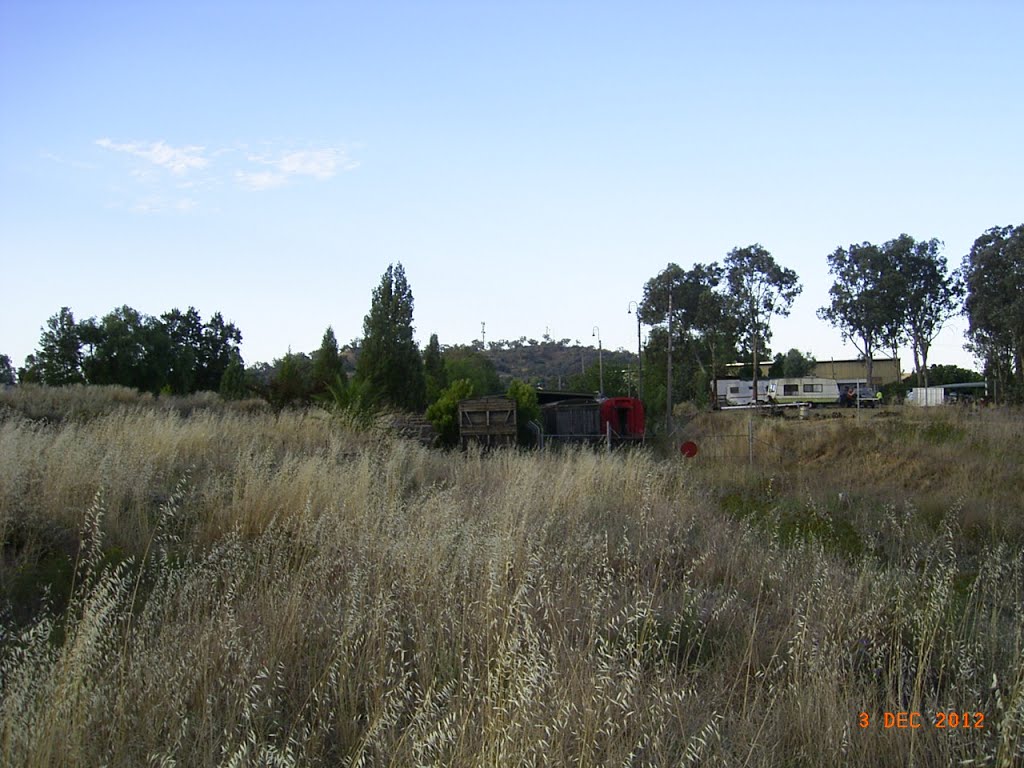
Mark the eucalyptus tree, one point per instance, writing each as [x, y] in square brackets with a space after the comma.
[691, 306]
[993, 274]
[891, 293]
[759, 289]
[928, 294]
[860, 304]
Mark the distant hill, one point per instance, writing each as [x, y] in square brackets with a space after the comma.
[544, 362]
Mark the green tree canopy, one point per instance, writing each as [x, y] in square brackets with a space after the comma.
[792, 365]
[292, 381]
[185, 333]
[444, 412]
[993, 274]
[951, 374]
[759, 289]
[176, 351]
[461, 362]
[436, 379]
[233, 385]
[390, 367]
[58, 360]
[126, 347]
[616, 381]
[220, 345]
[328, 367]
[860, 304]
[703, 328]
[527, 409]
[926, 292]
[6, 370]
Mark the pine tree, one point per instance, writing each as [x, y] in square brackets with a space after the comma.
[232, 383]
[390, 366]
[434, 370]
[290, 384]
[328, 368]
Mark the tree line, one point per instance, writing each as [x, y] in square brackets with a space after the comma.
[882, 297]
[176, 353]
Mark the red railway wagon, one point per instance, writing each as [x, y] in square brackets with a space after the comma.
[626, 416]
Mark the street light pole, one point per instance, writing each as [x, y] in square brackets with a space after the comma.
[600, 362]
[639, 349]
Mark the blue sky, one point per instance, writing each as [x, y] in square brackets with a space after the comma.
[531, 164]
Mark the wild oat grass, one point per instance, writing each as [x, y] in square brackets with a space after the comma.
[260, 589]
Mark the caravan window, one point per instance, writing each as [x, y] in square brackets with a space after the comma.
[812, 388]
[734, 390]
[790, 389]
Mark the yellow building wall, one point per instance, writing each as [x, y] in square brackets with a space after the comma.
[884, 371]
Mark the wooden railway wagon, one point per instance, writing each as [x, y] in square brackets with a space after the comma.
[490, 421]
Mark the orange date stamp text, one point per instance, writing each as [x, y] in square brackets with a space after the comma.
[942, 720]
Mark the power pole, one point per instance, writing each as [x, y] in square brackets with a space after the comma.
[483, 335]
[668, 395]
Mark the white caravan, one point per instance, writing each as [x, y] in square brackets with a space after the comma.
[808, 390]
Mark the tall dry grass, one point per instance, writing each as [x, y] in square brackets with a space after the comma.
[258, 589]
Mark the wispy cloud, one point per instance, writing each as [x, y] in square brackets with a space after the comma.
[261, 180]
[178, 160]
[201, 170]
[161, 204]
[53, 157]
[319, 164]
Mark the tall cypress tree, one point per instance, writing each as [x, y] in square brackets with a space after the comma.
[390, 367]
[434, 371]
[328, 369]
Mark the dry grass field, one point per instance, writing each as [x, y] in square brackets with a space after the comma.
[192, 583]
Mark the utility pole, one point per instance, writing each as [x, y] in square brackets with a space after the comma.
[668, 394]
[639, 349]
[600, 362]
[483, 335]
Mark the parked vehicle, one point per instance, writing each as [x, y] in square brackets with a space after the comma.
[809, 390]
[861, 396]
[735, 392]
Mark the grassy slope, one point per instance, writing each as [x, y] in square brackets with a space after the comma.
[256, 589]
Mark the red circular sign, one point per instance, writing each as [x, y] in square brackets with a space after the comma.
[688, 449]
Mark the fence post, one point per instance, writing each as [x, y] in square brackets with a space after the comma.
[750, 437]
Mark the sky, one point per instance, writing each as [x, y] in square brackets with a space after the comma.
[531, 164]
